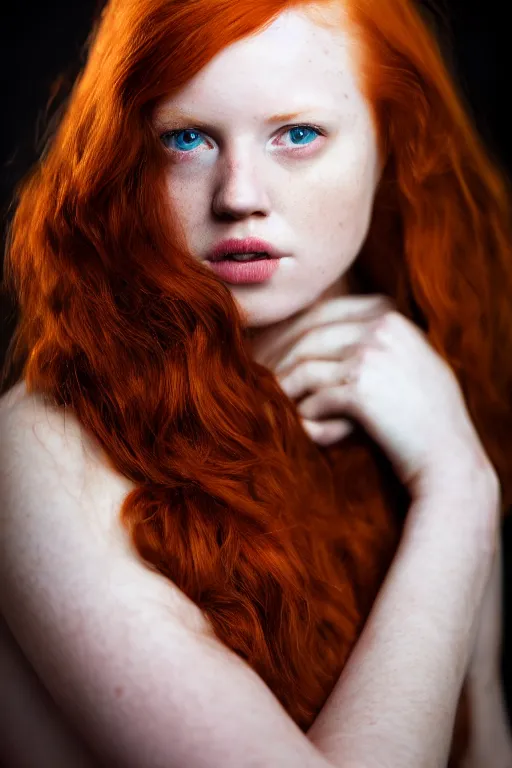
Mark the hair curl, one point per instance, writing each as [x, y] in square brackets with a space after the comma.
[282, 544]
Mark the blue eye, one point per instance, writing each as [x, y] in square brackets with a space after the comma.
[189, 137]
[188, 143]
[304, 129]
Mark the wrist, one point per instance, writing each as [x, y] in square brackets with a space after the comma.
[457, 469]
[471, 483]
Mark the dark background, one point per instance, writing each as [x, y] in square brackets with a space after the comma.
[41, 41]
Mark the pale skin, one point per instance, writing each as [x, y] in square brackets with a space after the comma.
[311, 354]
[246, 178]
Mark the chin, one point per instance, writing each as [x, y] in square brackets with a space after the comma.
[259, 319]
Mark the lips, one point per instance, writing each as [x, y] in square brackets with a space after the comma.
[249, 245]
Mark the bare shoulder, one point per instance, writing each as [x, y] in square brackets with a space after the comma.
[29, 415]
[54, 477]
[129, 659]
[62, 458]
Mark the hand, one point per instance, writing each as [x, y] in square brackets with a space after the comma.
[357, 357]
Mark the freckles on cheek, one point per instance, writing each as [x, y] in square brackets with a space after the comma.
[338, 203]
[354, 193]
[345, 214]
[185, 199]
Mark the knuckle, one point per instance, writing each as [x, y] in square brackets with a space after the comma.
[303, 374]
[362, 357]
[358, 364]
[289, 378]
[369, 357]
[390, 318]
[386, 324]
[385, 302]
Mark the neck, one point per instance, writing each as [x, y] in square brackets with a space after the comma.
[256, 337]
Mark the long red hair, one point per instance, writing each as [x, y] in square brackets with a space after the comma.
[281, 543]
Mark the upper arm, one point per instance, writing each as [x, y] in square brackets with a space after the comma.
[120, 648]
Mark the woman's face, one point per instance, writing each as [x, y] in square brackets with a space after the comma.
[304, 182]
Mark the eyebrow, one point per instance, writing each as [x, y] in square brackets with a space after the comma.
[170, 114]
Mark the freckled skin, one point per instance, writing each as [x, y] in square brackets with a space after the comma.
[311, 198]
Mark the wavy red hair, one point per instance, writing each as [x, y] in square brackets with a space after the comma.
[282, 544]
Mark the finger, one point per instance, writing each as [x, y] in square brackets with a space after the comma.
[325, 342]
[327, 432]
[327, 401]
[344, 308]
[311, 375]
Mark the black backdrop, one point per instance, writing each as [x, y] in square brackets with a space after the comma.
[41, 41]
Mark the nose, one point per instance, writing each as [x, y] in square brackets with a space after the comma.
[241, 190]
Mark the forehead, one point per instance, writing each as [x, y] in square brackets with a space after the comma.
[306, 56]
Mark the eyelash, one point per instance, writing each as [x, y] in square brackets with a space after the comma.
[286, 129]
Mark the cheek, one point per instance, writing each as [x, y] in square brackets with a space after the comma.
[183, 201]
[339, 202]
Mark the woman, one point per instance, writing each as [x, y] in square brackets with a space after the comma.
[184, 380]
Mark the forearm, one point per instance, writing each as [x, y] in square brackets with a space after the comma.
[490, 744]
[395, 702]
